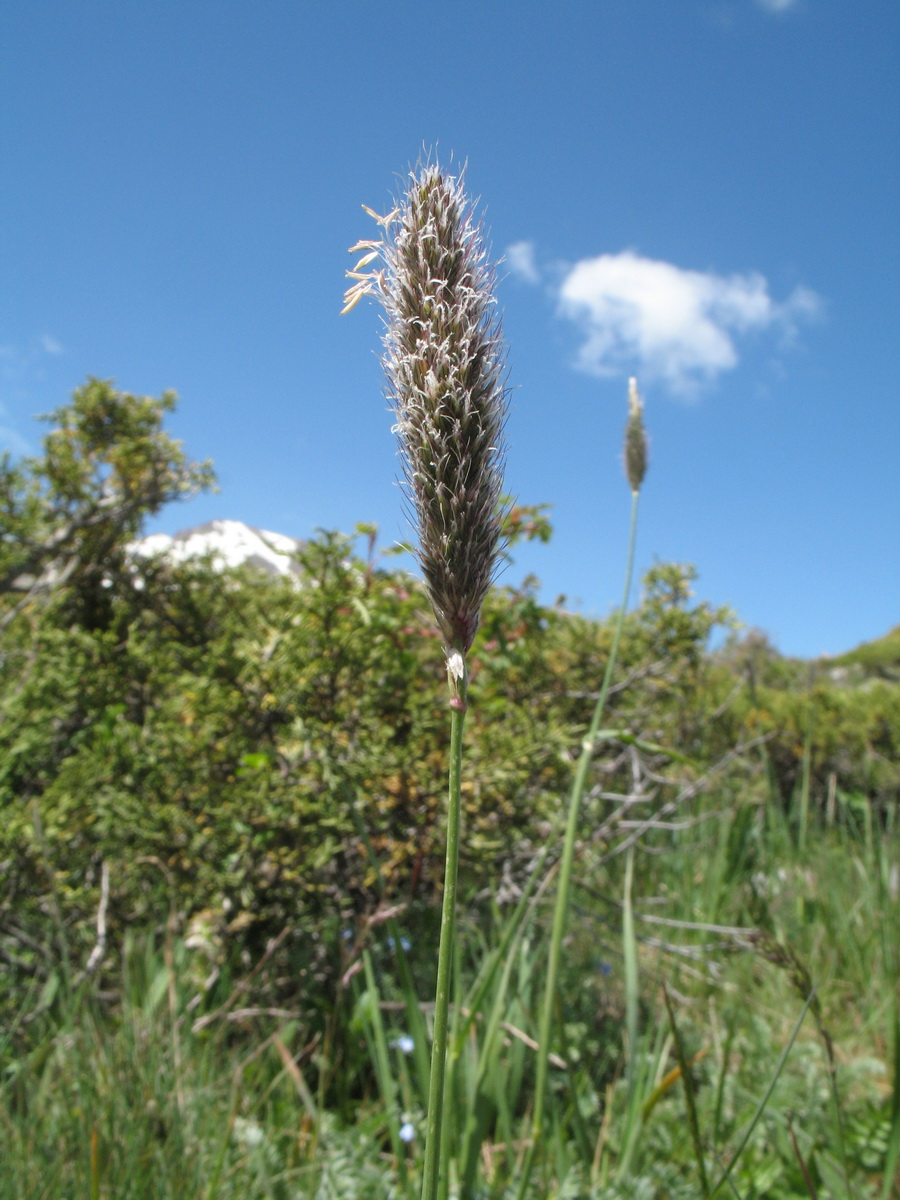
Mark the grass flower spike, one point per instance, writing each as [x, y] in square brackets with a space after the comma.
[445, 370]
[635, 439]
[444, 363]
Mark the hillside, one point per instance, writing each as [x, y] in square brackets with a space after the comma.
[879, 657]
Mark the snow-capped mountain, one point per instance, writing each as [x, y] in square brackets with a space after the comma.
[231, 543]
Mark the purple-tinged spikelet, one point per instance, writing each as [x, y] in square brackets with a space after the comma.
[635, 439]
[444, 362]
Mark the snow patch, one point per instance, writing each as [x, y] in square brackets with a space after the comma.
[231, 544]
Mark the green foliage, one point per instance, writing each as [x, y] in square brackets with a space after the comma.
[213, 736]
[260, 764]
[68, 515]
[878, 657]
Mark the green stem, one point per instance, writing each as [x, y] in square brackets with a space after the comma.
[564, 887]
[686, 1078]
[434, 1165]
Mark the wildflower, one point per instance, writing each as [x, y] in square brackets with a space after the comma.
[404, 1044]
[444, 363]
[635, 439]
[407, 1132]
[247, 1132]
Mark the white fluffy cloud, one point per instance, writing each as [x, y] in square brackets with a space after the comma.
[679, 326]
[520, 258]
[776, 5]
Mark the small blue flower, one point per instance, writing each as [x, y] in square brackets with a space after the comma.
[606, 969]
[407, 1133]
[405, 944]
[404, 1044]
[346, 934]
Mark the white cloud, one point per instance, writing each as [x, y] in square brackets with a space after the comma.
[777, 5]
[520, 257]
[676, 325]
[50, 345]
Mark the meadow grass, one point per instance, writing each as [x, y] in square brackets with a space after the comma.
[781, 972]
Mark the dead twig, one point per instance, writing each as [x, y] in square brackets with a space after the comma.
[96, 955]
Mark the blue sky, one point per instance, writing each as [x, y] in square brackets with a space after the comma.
[703, 193]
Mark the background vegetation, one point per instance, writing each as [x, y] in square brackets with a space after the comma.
[222, 800]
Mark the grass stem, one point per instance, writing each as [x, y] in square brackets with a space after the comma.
[564, 888]
[433, 1164]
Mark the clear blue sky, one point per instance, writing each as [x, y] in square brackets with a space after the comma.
[703, 193]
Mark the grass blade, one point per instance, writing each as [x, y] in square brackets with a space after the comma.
[748, 1133]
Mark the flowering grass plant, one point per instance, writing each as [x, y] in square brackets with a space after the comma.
[444, 364]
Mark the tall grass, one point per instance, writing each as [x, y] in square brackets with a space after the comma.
[134, 1091]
